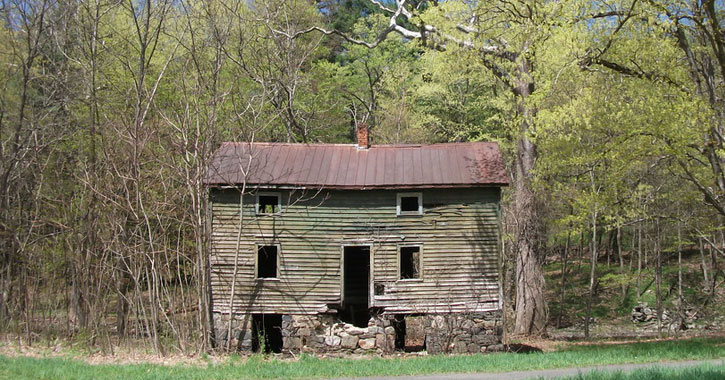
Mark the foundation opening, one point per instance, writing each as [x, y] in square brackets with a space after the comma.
[356, 286]
[399, 326]
[267, 333]
[409, 332]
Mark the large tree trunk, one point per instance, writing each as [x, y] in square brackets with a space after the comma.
[530, 302]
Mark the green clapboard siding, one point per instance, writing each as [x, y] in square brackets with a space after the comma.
[458, 232]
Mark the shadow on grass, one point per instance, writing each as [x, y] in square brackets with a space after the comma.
[522, 348]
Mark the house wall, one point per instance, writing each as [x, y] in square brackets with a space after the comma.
[459, 234]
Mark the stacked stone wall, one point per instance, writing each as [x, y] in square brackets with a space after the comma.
[463, 333]
[325, 333]
[241, 332]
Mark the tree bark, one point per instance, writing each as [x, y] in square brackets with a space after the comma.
[592, 270]
[531, 311]
[658, 274]
[639, 262]
[703, 264]
[713, 269]
[622, 269]
[580, 253]
[610, 247]
[680, 298]
[564, 255]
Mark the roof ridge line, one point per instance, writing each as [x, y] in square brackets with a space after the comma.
[237, 143]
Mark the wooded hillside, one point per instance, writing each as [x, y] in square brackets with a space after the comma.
[610, 114]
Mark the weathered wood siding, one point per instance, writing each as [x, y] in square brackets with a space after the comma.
[458, 232]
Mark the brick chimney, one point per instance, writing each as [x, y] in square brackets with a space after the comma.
[363, 135]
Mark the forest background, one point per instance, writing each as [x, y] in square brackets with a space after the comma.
[609, 113]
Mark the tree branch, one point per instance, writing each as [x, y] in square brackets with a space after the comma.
[422, 34]
[709, 196]
[637, 73]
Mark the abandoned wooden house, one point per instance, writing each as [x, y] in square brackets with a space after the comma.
[347, 248]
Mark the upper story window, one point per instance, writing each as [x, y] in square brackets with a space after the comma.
[410, 204]
[268, 203]
[267, 261]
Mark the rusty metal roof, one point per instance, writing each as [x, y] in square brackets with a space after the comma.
[343, 166]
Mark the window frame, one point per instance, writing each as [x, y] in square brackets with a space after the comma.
[257, 246]
[268, 194]
[399, 199]
[420, 261]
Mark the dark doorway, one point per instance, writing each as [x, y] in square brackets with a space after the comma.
[356, 274]
[267, 333]
[399, 326]
[409, 332]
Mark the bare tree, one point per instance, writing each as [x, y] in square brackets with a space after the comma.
[21, 144]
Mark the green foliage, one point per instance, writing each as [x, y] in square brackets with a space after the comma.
[460, 101]
[342, 15]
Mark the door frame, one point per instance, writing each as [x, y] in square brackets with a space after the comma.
[370, 271]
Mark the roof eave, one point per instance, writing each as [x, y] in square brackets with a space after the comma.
[376, 187]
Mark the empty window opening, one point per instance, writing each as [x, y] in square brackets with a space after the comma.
[267, 333]
[267, 204]
[379, 289]
[410, 262]
[356, 275]
[267, 261]
[410, 204]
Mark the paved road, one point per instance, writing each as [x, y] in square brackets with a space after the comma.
[548, 373]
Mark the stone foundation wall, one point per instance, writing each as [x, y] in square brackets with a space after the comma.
[463, 333]
[325, 333]
[241, 331]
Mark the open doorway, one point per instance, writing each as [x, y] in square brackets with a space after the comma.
[267, 333]
[356, 286]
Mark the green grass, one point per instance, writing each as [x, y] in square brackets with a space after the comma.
[703, 372]
[310, 367]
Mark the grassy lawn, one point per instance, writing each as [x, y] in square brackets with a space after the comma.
[704, 372]
[310, 367]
